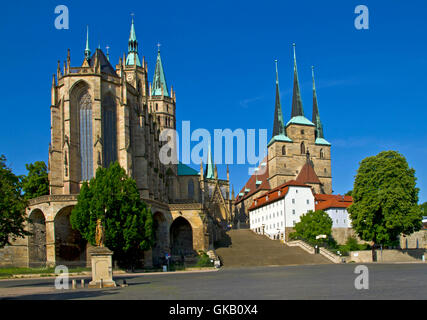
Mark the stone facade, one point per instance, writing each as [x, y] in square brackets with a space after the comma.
[101, 114]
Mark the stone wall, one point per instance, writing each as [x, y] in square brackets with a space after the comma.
[387, 255]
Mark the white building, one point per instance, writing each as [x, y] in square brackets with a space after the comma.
[276, 212]
[336, 207]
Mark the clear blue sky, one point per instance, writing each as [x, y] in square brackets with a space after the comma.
[219, 56]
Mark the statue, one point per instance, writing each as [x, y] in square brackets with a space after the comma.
[99, 234]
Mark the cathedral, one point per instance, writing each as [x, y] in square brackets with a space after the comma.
[297, 151]
[100, 114]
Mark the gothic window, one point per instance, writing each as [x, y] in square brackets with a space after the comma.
[86, 144]
[321, 154]
[302, 148]
[190, 189]
[157, 107]
[302, 131]
[284, 150]
[324, 170]
[109, 124]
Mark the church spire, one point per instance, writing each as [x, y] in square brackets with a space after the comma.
[132, 58]
[160, 87]
[297, 109]
[278, 126]
[87, 50]
[316, 117]
[210, 167]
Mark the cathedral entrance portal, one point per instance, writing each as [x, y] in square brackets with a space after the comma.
[181, 235]
[37, 239]
[69, 245]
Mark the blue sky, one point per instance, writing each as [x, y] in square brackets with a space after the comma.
[219, 56]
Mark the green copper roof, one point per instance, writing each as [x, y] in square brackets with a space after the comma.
[278, 125]
[316, 117]
[87, 50]
[132, 36]
[300, 120]
[297, 109]
[280, 137]
[322, 141]
[133, 58]
[184, 170]
[210, 167]
[159, 80]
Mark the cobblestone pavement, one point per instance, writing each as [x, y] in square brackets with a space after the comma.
[386, 281]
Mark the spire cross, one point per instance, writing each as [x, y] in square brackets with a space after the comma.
[158, 47]
[132, 14]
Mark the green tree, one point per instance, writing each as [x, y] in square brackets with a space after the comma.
[113, 197]
[349, 193]
[385, 199]
[12, 206]
[36, 183]
[423, 208]
[312, 224]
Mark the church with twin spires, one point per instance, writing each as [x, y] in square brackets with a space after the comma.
[296, 151]
[101, 114]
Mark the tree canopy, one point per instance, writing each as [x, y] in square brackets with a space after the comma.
[36, 183]
[12, 205]
[385, 199]
[113, 197]
[312, 224]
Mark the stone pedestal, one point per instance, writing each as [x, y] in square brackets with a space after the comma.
[102, 268]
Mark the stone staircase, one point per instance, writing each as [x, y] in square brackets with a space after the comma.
[245, 248]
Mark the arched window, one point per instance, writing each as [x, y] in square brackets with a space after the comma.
[86, 144]
[284, 150]
[302, 148]
[190, 189]
[109, 128]
[321, 154]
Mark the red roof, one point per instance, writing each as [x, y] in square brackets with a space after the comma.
[326, 201]
[307, 174]
[275, 194]
[251, 184]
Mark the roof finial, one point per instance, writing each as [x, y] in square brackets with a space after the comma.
[108, 54]
[277, 73]
[158, 47]
[295, 56]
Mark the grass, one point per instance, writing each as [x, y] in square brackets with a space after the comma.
[9, 272]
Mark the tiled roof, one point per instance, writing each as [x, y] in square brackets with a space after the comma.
[252, 186]
[307, 174]
[275, 194]
[326, 201]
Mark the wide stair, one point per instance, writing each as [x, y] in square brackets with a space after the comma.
[242, 248]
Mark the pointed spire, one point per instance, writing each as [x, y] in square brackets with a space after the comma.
[160, 87]
[108, 54]
[133, 58]
[278, 126]
[297, 109]
[316, 117]
[210, 169]
[87, 50]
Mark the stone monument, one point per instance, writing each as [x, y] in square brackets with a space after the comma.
[102, 266]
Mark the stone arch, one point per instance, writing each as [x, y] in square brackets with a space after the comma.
[70, 247]
[37, 240]
[283, 150]
[302, 147]
[161, 239]
[109, 128]
[81, 130]
[181, 237]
